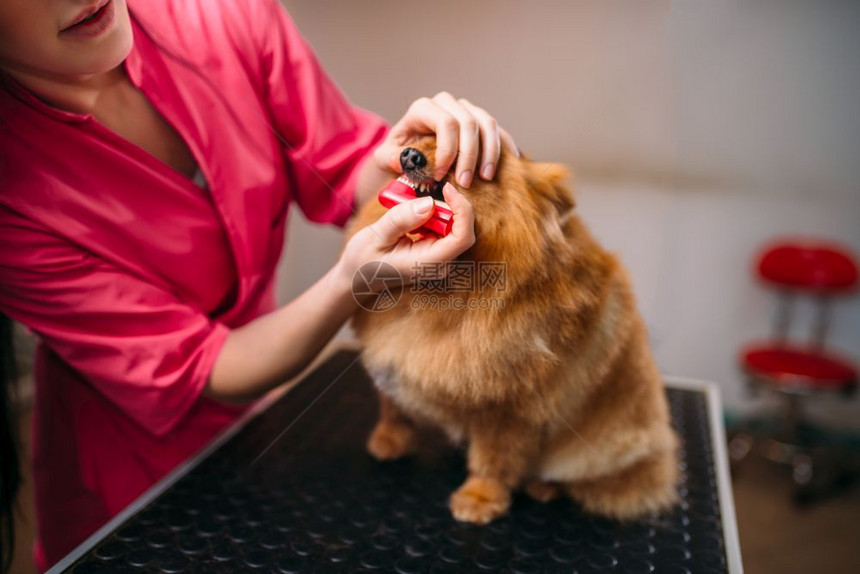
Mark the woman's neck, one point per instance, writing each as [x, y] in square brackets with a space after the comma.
[78, 94]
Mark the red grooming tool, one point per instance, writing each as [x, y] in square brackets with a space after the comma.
[399, 191]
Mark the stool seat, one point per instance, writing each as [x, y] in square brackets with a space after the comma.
[810, 265]
[792, 366]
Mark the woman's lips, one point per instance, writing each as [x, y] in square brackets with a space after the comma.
[93, 24]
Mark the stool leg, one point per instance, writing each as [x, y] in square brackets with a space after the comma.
[800, 457]
[791, 423]
[822, 323]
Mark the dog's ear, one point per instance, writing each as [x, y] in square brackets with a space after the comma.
[549, 180]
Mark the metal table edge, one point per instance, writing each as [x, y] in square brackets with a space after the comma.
[724, 481]
[718, 438]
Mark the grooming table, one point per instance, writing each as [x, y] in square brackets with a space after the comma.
[289, 489]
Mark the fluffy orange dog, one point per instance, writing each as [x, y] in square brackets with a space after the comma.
[555, 390]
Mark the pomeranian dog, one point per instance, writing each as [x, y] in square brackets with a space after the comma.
[553, 388]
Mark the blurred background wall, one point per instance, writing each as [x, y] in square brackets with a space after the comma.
[697, 130]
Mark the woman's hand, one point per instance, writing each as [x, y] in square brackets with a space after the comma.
[386, 240]
[460, 128]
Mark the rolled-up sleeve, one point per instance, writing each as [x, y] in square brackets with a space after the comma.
[325, 138]
[138, 345]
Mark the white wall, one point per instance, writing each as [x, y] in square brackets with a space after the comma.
[697, 130]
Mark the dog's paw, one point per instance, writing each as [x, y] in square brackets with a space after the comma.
[388, 442]
[542, 491]
[479, 501]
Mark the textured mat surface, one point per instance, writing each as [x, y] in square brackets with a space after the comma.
[315, 502]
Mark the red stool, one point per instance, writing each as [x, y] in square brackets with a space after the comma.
[795, 371]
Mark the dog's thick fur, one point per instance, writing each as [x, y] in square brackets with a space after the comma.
[557, 391]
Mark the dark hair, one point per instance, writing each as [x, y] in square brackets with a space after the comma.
[10, 463]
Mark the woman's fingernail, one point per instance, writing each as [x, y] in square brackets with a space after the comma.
[422, 206]
[487, 172]
[465, 178]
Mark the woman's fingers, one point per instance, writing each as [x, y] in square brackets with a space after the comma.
[470, 133]
[427, 116]
[463, 131]
[490, 139]
[462, 235]
[401, 219]
[463, 227]
[387, 239]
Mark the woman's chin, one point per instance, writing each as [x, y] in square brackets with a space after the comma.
[99, 55]
[100, 62]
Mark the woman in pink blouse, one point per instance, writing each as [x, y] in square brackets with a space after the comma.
[148, 158]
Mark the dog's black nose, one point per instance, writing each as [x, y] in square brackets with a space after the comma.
[411, 158]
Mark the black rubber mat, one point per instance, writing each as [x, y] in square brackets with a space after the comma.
[316, 502]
